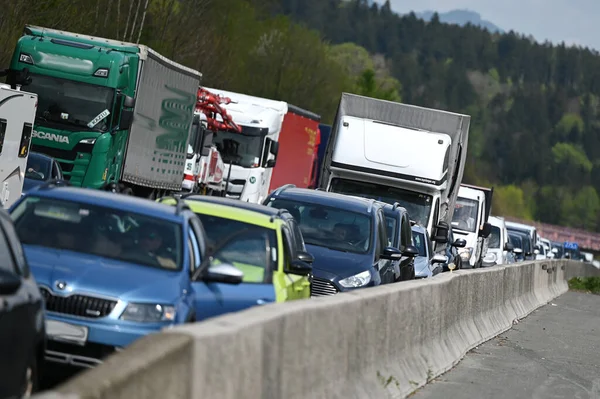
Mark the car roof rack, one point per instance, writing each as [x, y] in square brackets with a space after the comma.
[280, 189]
[396, 206]
[180, 204]
[280, 212]
[54, 183]
[413, 222]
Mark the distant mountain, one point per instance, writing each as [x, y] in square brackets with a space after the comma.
[461, 17]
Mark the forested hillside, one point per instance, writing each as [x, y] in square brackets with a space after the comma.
[535, 134]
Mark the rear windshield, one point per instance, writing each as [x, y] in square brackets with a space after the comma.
[98, 230]
[419, 239]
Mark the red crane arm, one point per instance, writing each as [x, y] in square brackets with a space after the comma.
[210, 105]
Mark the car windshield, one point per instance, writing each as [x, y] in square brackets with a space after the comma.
[494, 238]
[418, 205]
[249, 252]
[38, 167]
[71, 105]
[332, 228]
[419, 240]
[99, 230]
[243, 149]
[515, 240]
[392, 230]
[465, 215]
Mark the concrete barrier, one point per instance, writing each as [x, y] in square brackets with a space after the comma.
[381, 342]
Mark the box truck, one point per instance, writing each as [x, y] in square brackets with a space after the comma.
[115, 115]
[396, 152]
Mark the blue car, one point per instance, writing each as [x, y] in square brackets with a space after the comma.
[114, 268]
[346, 235]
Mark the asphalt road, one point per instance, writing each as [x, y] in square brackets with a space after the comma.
[553, 353]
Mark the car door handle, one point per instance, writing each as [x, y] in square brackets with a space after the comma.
[262, 301]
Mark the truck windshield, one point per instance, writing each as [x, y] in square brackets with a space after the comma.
[71, 105]
[418, 205]
[494, 238]
[243, 149]
[465, 215]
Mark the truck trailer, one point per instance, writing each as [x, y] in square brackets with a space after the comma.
[396, 152]
[115, 115]
[17, 113]
[277, 145]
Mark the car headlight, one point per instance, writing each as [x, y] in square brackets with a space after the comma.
[148, 313]
[465, 254]
[358, 280]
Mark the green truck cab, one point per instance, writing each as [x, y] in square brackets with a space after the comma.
[115, 115]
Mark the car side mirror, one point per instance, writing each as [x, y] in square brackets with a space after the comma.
[270, 163]
[486, 230]
[410, 251]
[509, 247]
[391, 253]
[223, 273]
[518, 251]
[126, 119]
[300, 268]
[305, 257]
[129, 102]
[438, 258]
[460, 243]
[554, 250]
[441, 233]
[9, 282]
[536, 251]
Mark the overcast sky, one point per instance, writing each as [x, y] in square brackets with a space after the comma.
[571, 21]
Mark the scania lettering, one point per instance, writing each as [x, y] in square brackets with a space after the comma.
[116, 116]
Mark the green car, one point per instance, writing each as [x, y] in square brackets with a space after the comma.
[270, 251]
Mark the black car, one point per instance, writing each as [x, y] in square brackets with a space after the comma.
[517, 239]
[40, 169]
[400, 236]
[346, 235]
[22, 321]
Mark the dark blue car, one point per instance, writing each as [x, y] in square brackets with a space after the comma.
[113, 268]
[346, 235]
[40, 169]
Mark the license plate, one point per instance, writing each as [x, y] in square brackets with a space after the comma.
[59, 331]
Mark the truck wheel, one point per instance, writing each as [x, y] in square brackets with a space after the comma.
[127, 191]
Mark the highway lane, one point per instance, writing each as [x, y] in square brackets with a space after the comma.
[553, 353]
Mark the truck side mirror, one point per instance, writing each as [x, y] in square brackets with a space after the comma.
[129, 102]
[126, 119]
[274, 148]
[486, 230]
[441, 233]
[270, 163]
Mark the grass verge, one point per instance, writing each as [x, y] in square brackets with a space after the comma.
[585, 284]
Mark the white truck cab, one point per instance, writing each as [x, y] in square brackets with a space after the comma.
[249, 156]
[470, 221]
[395, 152]
[17, 115]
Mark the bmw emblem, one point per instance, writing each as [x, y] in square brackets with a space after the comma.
[252, 180]
[61, 285]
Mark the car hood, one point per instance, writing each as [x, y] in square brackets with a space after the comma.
[104, 276]
[422, 266]
[338, 263]
[28, 184]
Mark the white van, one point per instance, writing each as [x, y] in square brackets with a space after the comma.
[470, 221]
[499, 250]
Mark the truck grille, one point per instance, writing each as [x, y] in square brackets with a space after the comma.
[322, 287]
[78, 305]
